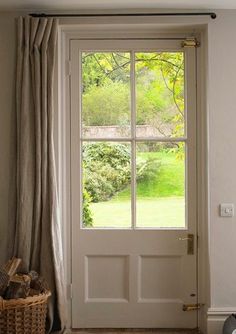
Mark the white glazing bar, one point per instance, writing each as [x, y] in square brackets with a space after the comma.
[162, 139]
[140, 139]
[133, 136]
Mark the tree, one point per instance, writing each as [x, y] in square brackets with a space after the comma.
[159, 87]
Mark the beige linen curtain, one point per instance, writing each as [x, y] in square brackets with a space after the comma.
[37, 237]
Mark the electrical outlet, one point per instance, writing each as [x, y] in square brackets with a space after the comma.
[226, 210]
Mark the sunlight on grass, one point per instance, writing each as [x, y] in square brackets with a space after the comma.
[169, 182]
[160, 198]
[161, 212]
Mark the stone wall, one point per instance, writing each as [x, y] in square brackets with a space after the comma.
[114, 131]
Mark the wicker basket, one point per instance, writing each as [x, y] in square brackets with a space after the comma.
[24, 316]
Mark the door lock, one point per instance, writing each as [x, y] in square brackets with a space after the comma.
[190, 239]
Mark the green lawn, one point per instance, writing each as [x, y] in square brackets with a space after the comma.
[160, 198]
[168, 182]
[153, 212]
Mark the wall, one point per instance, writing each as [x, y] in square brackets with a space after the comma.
[222, 152]
[222, 165]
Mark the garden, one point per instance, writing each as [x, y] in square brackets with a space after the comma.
[108, 164]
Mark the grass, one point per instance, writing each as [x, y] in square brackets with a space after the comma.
[168, 181]
[159, 212]
[160, 197]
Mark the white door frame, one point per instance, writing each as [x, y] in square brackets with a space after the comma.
[132, 28]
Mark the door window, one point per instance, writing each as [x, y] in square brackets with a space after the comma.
[133, 139]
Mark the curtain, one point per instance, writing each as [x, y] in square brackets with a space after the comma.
[38, 238]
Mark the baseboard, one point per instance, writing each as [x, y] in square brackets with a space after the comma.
[67, 331]
[216, 317]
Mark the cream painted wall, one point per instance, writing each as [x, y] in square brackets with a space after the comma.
[222, 153]
[222, 158]
[222, 165]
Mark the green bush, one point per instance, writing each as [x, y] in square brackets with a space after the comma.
[87, 214]
[106, 169]
[147, 168]
[107, 105]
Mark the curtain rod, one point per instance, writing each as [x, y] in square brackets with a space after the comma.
[211, 14]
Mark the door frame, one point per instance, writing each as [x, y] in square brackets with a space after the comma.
[131, 28]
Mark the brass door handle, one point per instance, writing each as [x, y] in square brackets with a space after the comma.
[190, 239]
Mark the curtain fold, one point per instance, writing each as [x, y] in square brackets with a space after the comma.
[38, 237]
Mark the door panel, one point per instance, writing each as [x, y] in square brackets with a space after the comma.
[137, 273]
[134, 279]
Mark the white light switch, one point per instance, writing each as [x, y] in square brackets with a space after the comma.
[226, 210]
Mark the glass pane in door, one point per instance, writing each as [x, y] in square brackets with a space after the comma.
[106, 174]
[160, 179]
[105, 94]
[159, 94]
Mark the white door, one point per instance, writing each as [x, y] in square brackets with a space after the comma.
[133, 158]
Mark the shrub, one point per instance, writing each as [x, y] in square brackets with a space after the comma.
[106, 169]
[147, 168]
[87, 214]
[107, 105]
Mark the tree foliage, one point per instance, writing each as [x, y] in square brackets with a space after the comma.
[87, 213]
[159, 89]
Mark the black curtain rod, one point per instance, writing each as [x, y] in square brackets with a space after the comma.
[211, 14]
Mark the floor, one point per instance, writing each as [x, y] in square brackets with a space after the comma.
[135, 331]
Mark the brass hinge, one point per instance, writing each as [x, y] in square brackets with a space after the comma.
[191, 307]
[190, 42]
